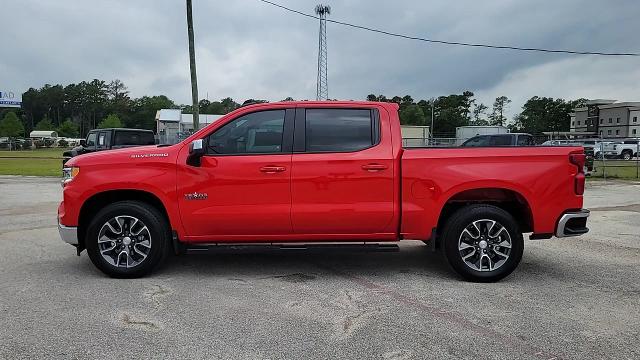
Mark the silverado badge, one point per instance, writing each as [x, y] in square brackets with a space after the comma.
[196, 196]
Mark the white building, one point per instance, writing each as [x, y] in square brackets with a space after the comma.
[172, 125]
[414, 136]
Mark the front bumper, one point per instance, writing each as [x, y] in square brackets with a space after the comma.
[573, 223]
[69, 234]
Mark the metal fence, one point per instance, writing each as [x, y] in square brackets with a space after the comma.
[612, 166]
[432, 142]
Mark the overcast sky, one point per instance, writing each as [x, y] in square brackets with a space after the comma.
[248, 49]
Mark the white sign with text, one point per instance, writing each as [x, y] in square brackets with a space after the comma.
[10, 98]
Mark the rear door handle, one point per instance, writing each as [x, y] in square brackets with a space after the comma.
[374, 167]
[272, 169]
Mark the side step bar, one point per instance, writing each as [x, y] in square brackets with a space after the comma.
[320, 246]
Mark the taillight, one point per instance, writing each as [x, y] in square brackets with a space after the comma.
[578, 160]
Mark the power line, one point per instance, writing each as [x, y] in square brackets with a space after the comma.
[409, 37]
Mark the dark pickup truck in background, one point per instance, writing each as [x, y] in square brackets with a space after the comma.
[106, 139]
[509, 139]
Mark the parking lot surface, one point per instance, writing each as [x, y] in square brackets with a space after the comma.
[575, 298]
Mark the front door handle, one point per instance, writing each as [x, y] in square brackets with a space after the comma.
[374, 167]
[272, 169]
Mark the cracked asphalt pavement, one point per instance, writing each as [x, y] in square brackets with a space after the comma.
[576, 298]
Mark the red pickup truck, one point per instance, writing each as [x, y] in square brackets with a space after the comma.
[313, 173]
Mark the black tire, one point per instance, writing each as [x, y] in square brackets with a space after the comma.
[476, 214]
[158, 230]
[627, 155]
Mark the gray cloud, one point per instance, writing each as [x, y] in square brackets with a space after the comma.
[247, 49]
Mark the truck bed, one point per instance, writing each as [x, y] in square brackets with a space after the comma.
[540, 176]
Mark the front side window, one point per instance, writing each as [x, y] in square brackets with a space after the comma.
[338, 130]
[477, 141]
[256, 133]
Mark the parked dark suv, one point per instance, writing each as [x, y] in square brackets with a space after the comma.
[509, 139]
[106, 139]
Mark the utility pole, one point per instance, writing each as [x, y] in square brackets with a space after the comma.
[433, 102]
[322, 86]
[192, 65]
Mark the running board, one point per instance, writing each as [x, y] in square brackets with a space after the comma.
[324, 246]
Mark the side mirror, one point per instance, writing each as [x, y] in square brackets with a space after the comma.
[83, 142]
[196, 150]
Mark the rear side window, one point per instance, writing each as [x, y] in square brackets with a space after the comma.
[339, 130]
[125, 138]
[103, 140]
[500, 141]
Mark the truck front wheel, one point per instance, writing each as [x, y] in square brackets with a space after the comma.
[127, 239]
[482, 243]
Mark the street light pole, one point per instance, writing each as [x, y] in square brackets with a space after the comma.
[192, 65]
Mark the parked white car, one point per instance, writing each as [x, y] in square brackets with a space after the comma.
[626, 150]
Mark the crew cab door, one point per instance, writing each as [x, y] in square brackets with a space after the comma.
[242, 184]
[342, 174]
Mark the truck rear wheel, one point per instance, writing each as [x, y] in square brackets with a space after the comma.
[127, 239]
[482, 243]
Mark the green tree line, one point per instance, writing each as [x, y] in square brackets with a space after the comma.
[74, 109]
[538, 113]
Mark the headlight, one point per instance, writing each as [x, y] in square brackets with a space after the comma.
[68, 173]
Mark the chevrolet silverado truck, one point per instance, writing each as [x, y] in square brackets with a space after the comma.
[311, 173]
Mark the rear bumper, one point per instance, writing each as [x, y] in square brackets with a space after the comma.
[573, 223]
[69, 234]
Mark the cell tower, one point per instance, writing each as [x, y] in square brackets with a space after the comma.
[322, 87]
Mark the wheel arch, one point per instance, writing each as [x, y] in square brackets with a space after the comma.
[510, 200]
[104, 198]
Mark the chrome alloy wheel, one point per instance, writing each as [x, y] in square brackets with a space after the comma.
[484, 245]
[124, 241]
